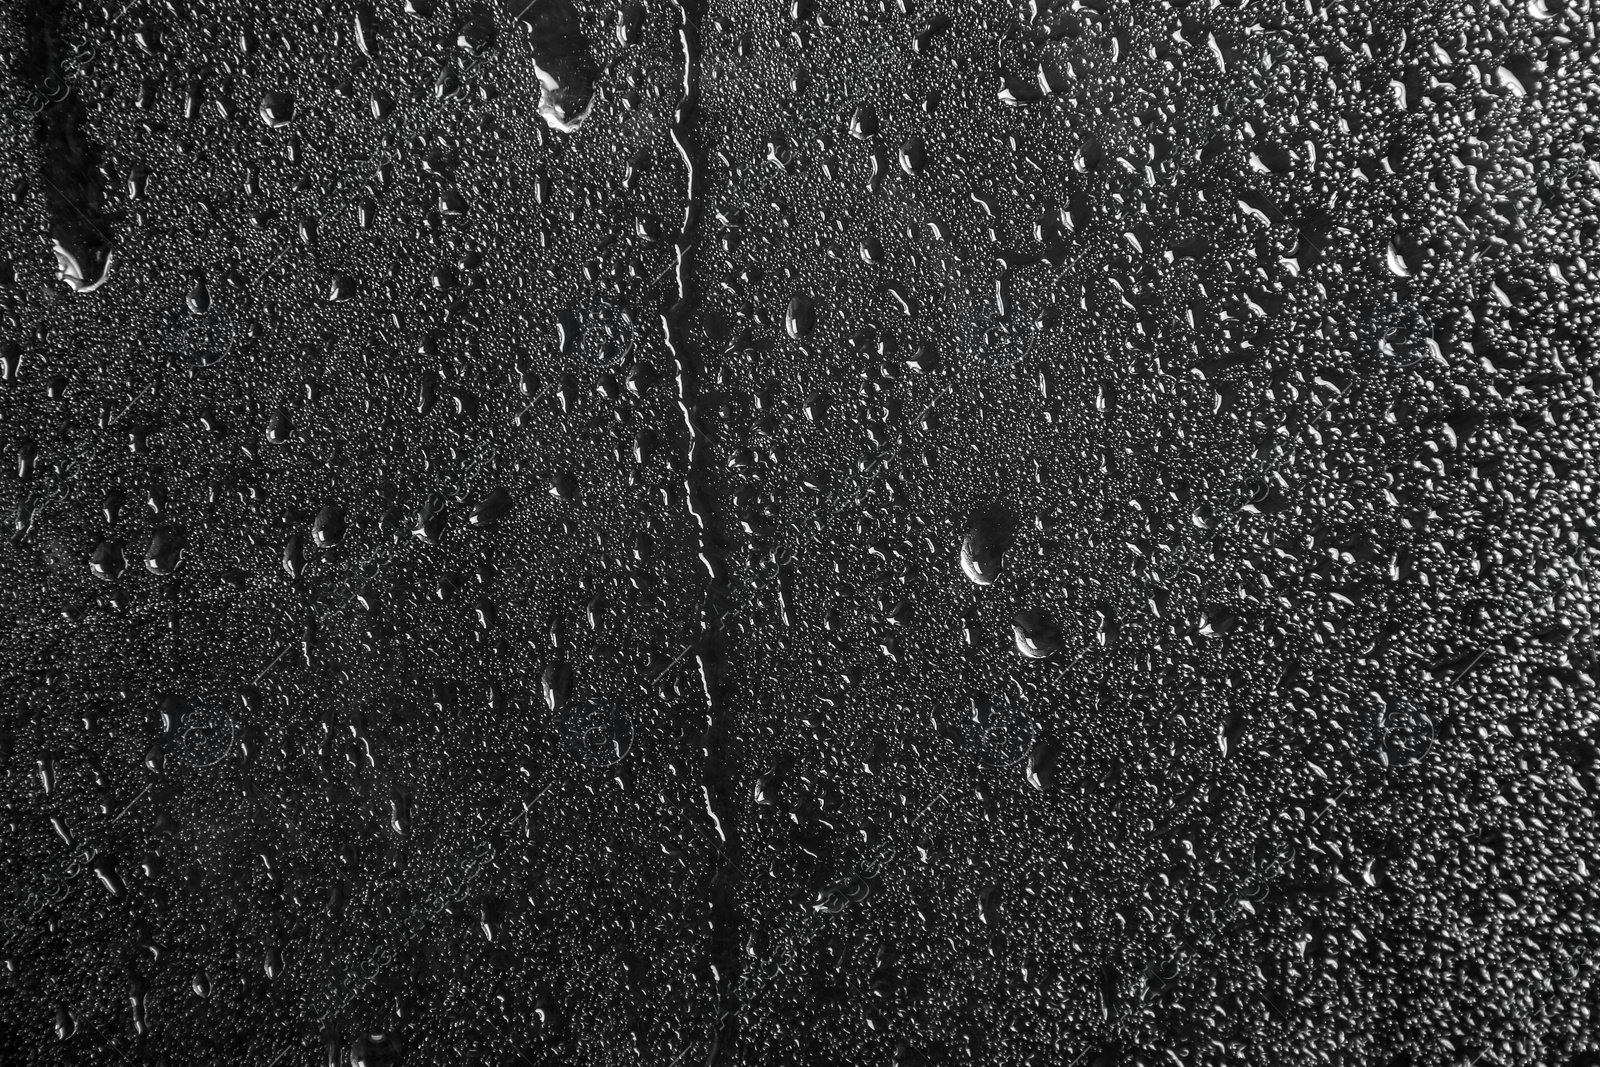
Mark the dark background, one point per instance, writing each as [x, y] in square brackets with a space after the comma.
[500, 588]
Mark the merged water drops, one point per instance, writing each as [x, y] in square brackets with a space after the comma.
[563, 63]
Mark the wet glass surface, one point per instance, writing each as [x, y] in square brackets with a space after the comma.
[798, 533]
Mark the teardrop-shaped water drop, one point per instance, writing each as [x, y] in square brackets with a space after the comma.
[801, 317]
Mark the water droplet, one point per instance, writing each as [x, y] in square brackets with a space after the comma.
[277, 108]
